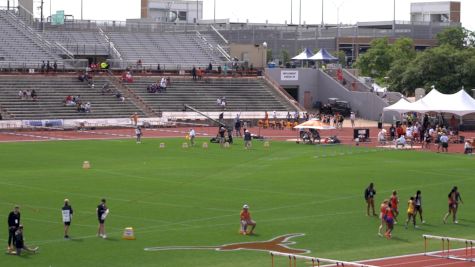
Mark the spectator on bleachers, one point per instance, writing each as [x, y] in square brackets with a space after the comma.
[34, 95]
[48, 66]
[199, 73]
[104, 65]
[119, 96]
[218, 101]
[127, 77]
[225, 70]
[93, 66]
[68, 101]
[87, 107]
[55, 66]
[163, 84]
[210, 68]
[139, 64]
[28, 94]
[169, 82]
[193, 73]
[219, 69]
[43, 66]
[159, 69]
[20, 94]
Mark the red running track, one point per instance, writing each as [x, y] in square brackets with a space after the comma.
[420, 260]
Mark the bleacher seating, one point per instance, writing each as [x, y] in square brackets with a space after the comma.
[79, 42]
[51, 93]
[18, 44]
[164, 48]
[242, 94]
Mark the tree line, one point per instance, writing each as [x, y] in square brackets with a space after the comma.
[449, 66]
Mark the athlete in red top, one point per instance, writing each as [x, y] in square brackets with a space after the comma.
[383, 208]
[394, 204]
[246, 220]
[389, 216]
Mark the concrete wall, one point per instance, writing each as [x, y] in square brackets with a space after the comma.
[255, 54]
[322, 86]
[307, 81]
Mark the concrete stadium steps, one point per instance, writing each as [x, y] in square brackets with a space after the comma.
[17, 44]
[51, 93]
[164, 48]
[250, 94]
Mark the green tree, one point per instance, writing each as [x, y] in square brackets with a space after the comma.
[457, 37]
[269, 55]
[376, 62]
[341, 57]
[285, 56]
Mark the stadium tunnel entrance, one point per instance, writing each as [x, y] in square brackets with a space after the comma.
[293, 91]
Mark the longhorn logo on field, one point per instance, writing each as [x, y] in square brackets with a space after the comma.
[277, 244]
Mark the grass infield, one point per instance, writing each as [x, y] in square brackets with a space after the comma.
[192, 197]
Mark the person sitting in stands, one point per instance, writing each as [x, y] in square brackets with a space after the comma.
[163, 84]
[106, 88]
[218, 101]
[468, 149]
[20, 94]
[28, 94]
[87, 107]
[34, 96]
[401, 141]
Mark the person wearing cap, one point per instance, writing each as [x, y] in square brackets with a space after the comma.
[20, 243]
[192, 136]
[102, 212]
[13, 224]
[67, 212]
[246, 221]
[247, 139]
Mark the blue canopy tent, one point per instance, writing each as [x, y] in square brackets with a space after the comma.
[323, 55]
[305, 55]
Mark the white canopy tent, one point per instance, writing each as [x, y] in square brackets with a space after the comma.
[305, 55]
[459, 104]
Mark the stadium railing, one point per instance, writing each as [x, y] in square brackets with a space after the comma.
[314, 261]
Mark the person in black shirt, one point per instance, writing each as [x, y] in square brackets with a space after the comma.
[102, 212]
[369, 194]
[67, 212]
[392, 132]
[418, 205]
[221, 133]
[247, 139]
[13, 224]
[20, 243]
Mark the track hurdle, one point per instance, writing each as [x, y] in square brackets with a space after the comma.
[446, 243]
[316, 262]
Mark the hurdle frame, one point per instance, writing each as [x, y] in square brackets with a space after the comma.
[446, 249]
[316, 262]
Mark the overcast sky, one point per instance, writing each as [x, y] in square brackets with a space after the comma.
[275, 11]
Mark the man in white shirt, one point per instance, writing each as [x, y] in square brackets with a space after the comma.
[401, 141]
[352, 119]
[444, 142]
[192, 135]
[382, 136]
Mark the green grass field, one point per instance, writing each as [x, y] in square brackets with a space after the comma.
[192, 197]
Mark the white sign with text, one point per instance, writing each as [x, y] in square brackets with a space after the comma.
[289, 75]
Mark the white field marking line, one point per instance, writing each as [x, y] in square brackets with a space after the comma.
[33, 135]
[61, 223]
[173, 131]
[160, 228]
[105, 133]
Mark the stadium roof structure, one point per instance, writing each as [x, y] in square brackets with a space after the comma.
[460, 103]
[305, 55]
[323, 55]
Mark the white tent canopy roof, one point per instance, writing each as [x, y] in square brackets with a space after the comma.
[459, 104]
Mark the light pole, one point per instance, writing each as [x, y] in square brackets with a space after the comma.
[291, 11]
[322, 13]
[81, 9]
[300, 13]
[338, 16]
[197, 10]
[214, 18]
[394, 17]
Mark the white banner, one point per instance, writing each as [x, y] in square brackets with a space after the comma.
[289, 75]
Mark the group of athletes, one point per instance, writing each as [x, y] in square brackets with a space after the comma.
[16, 244]
[389, 209]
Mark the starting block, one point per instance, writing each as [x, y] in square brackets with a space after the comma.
[86, 165]
[184, 145]
[128, 234]
[205, 145]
